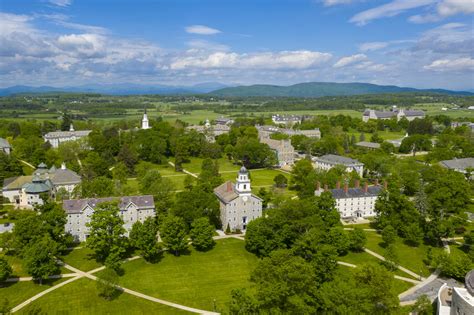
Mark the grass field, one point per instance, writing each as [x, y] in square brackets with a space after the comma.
[17, 292]
[80, 297]
[199, 279]
[81, 258]
[17, 266]
[409, 257]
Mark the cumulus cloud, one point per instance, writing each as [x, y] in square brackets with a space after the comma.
[350, 60]
[82, 45]
[201, 30]
[300, 59]
[388, 10]
[459, 64]
[443, 9]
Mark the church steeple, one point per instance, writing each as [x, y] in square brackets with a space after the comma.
[145, 124]
[242, 185]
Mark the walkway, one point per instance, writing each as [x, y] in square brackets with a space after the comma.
[411, 273]
[27, 164]
[66, 275]
[184, 171]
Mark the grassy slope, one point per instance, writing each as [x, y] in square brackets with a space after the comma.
[198, 280]
[81, 258]
[80, 297]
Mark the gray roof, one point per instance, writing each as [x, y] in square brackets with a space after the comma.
[38, 186]
[77, 205]
[4, 143]
[337, 159]
[67, 134]
[461, 164]
[226, 192]
[469, 282]
[356, 192]
[367, 144]
[64, 176]
[388, 114]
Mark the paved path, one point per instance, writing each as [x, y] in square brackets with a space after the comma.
[369, 230]
[411, 273]
[66, 275]
[28, 164]
[346, 264]
[395, 276]
[184, 171]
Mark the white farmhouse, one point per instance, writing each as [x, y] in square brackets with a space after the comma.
[354, 203]
[238, 206]
[55, 138]
[132, 209]
[328, 161]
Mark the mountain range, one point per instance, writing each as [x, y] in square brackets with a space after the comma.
[310, 89]
[318, 89]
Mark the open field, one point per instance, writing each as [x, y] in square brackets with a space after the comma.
[199, 279]
[81, 258]
[17, 292]
[17, 266]
[80, 297]
[409, 257]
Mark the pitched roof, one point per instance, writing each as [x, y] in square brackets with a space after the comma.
[38, 185]
[64, 176]
[356, 192]
[226, 192]
[15, 183]
[337, 159]
[367, 144]
[4, 143]
[66, 134]
[77, 205]
[388, 114]
[461, 164]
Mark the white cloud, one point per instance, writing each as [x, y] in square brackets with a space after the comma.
[61, 3]
[207, 45]
[445, 8]
[202, 30]
[450, 38]
[300, 59]
[349, 60]
[371, 46]
[459, 64]
[83, 45]
[388, 10]
[329, 3]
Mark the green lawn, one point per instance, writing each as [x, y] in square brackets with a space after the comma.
[198, 279]
[409, 257]
[358, 258]
[17, 292]
[81, 259]
[17, 266]
[386, 135]
[80, 297]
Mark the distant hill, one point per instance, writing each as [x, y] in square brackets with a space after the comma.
[116, 89]
[318, 89]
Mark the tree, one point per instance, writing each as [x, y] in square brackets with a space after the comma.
[96, 188]
[128, 157]
[5, 269]
[414, 234]
[391, 257]
[423, 305]
[39, 258]
[107, 234]
[209, 178]
[389, 235]
[357, 239]
[201, 234]
[152, 183]
[120, 172]
[107, 284]
[143, 236]
[197, 203]
[280, 181]
[253, 153]
[242, 303]
[173, 234]
[454, 265]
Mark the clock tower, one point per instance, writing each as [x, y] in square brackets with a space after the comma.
[242, 185]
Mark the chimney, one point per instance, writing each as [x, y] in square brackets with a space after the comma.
[325, 187]
[357, 183]
[318, 186]
[385, 184]
[366, 187]
[376, 182]
[229, 186]
[338, 185]
[346, 188]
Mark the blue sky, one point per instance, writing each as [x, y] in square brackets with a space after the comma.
[418, 43]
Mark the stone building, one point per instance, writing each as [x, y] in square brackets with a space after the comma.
[32, 193]
[132, 209]
[354, 203]
[210, 131]
[56, 179]
[55, 138]
[328, 161]
[238, 206]
[398, 113]
[284, 151]
[457, 300]
[266, 131]
[288, 120]
[5, 147]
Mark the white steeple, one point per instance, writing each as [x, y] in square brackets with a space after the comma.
[145, 124]
[242, 185]
[71, 127]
